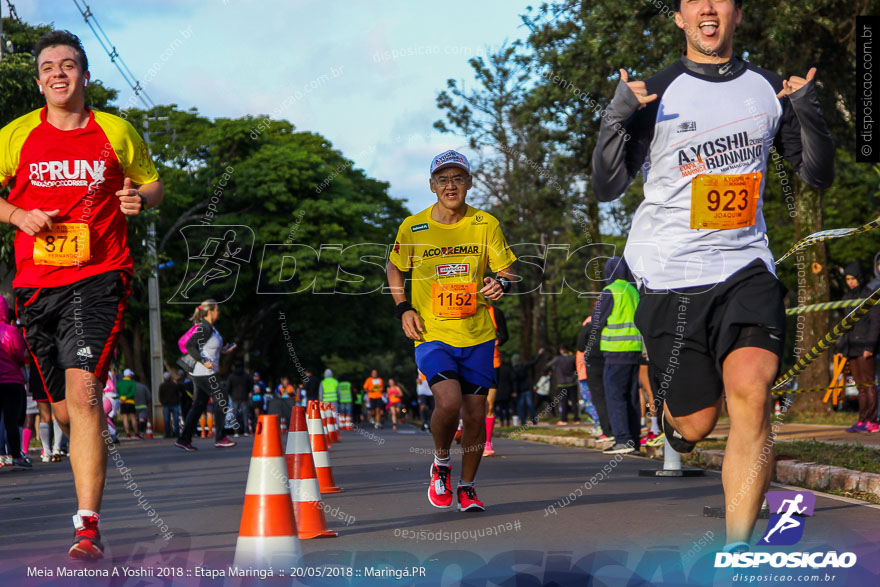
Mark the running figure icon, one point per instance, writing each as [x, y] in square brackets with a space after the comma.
[784, 528]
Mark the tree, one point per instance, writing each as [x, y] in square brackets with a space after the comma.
[580, 46]
[519, 180]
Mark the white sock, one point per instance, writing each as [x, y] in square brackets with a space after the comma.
[87, 513]
[655, 426]
[441, 462]
[465, 483]
[58, 434]
[44, 438]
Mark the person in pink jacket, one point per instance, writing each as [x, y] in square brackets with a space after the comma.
[13, 356]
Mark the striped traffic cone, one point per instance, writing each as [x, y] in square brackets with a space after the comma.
[331, 424]
[267, 536]
[149, 430]
[304, 488]
[323, 411]
[319, 451]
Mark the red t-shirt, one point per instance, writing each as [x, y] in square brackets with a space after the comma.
[77, 172]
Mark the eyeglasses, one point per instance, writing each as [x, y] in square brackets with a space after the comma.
[456, 180]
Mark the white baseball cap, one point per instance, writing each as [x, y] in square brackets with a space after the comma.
[450, 159]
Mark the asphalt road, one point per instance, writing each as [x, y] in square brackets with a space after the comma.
[622, 529]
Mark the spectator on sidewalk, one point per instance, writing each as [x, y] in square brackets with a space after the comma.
[621, 346]
[313, 386]
[169, 397]
[542, 391]
[126, 390]
[858, 346]
[13, 398]
[565, 374]
[239, 384]
[344, 396]
[329, 390]
[505, 391]
[581, 364]
[142, 399]
[522, 389]
[590, 343]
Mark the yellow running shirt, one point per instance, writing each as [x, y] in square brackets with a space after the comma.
[448, 263]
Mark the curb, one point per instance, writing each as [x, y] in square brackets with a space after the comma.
[809, 475]
[646, 451]
[790, 472]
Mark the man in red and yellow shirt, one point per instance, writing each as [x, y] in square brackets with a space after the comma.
[74, 176]
[448, 248]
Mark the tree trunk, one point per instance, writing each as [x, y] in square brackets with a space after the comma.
[813, 288]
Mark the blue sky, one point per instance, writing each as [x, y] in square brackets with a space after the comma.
[229, 58]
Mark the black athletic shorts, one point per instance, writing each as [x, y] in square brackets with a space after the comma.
[125, 408]
[74, 326]
[689, 332]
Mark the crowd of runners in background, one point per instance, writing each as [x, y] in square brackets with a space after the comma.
[554, 388]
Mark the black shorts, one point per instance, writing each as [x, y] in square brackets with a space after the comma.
[689, 332]
[125, 408]
[74, 326]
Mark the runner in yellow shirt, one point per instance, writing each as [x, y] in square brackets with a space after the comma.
[448, 248]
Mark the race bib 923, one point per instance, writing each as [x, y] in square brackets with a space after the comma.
[723, 202]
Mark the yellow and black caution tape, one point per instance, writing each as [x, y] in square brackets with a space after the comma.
[829, 339]
[823, 306]
[828, 388]
[827, 235]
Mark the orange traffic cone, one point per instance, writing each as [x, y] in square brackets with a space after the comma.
[149, 430]
[304, 488]
[319, 451]
[331, 424]
[267, 536]
[323, 412]
[203, 425]
[211, 429]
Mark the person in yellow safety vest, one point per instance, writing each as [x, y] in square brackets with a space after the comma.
[344, 396]
[501, 336]
[621, 345]
[328, 391]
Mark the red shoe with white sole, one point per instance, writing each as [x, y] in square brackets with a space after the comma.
[468, 501]
[86, 539]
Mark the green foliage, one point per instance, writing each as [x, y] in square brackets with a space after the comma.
[569, 71]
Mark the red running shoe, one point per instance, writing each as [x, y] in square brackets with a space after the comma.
[468, 501]
[86, 539]
[440, 488]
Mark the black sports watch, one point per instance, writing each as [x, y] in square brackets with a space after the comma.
[143, 201]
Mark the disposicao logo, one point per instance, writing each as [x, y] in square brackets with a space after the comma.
[784, 529]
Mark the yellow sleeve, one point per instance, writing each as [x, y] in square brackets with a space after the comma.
[12, 138]
[500, 255]
[401, 252]
[130, 149]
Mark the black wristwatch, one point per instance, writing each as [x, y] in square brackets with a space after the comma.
[143, 201]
